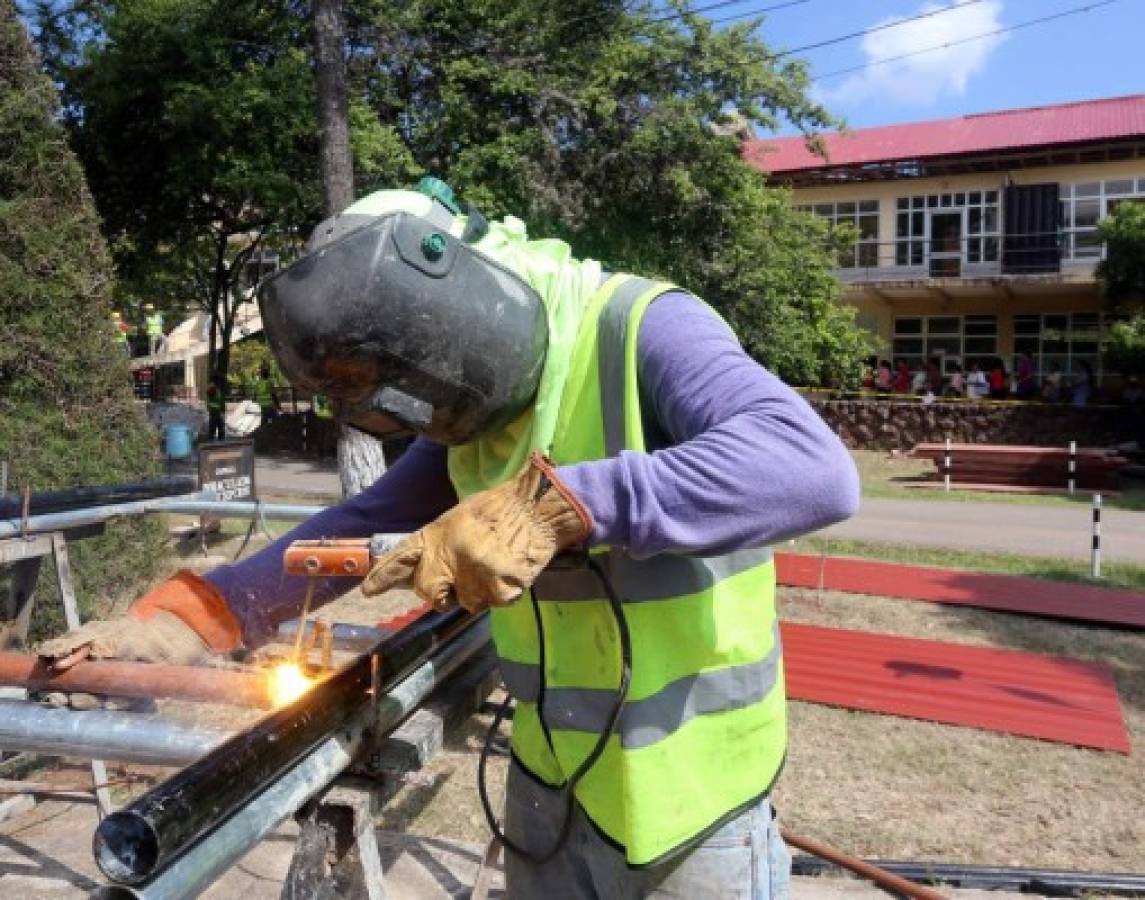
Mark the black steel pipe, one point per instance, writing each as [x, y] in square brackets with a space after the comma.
[1048, 882]
[41, 502]
[132, 844]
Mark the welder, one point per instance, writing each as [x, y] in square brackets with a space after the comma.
[600, 464]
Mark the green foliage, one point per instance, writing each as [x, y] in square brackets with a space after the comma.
[248, 358]
[1122, 272]
[593, 122]
[66, 413]
[1125, 348]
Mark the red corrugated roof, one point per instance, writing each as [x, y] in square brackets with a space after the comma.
[1047, 697]
[1009, 593]
[1113, 118]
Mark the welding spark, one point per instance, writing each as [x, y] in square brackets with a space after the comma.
[287, 683]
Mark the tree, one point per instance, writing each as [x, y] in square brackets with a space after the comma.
[66, 412]
[195, 122]
[1122, 271]
[600, 123]
[1125, 347]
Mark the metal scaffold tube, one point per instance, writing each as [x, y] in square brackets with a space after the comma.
[102, 734]
[188, 874]
[191, 505]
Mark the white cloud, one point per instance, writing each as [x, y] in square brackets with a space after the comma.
[923, 79]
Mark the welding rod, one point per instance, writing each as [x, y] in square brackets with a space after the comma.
[133, 679]
[144, 837]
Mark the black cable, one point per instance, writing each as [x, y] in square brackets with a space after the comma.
[568, 788]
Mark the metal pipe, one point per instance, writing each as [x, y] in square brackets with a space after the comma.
[191, 504]
[1050, 882]
[237, 509]
[887, 880]
[350, 637]
[144, 836]
[102, 734]
[41, 502]
[205, 861]
[132, 679]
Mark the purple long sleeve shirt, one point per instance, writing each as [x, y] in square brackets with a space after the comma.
[737, 459]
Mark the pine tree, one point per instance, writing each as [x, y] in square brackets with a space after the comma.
[66, 412]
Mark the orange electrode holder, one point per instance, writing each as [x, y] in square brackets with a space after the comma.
[344, 556]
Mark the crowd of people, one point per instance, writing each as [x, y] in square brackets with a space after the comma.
[992, 381]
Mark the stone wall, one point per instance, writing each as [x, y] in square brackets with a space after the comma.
[875, 424]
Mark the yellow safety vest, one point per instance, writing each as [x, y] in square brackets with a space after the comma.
[703, 733]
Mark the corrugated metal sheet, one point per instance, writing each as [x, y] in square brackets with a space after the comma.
[1045, 697]
[1014, 129]
[1007, 593]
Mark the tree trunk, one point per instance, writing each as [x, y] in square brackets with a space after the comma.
[360, 458]
[335, 160]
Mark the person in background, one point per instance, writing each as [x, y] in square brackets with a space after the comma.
[263, 394]
[902, 382]
[957, 386]
[121, 332]
[216, 411]
[934, 380]
[999, 387]
[1052, 384]
[884, 377]
[1132, 394]
[1082, 384]
[153, 322]
[977, 386]
[1027, 385]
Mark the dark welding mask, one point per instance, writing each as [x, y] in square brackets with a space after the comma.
[394, 316]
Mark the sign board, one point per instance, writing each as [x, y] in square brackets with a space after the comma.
[226, 468]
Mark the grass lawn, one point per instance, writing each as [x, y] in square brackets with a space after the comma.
[884, 475]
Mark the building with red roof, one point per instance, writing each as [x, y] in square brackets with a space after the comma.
[976, 234]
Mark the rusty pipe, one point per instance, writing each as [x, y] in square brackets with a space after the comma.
[884, 879]
[135, 679]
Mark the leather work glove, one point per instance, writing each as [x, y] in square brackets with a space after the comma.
[183, 621]
[487, 550]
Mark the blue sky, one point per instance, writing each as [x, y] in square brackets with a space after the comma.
[1093, 54]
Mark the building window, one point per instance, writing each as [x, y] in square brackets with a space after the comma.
[956, 339]
[971, 228]
[863, 216]
[1087, 203]
[1058, 341]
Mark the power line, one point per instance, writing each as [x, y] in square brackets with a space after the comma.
[699, 10]
[838, 39]
[966, 40]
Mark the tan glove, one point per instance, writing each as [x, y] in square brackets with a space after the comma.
[183, 621]
[487, 550]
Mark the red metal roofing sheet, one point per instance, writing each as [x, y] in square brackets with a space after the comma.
[1013, 129]
[1047, 697]
[1007, 593]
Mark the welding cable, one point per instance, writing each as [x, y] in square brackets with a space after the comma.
[568, 788]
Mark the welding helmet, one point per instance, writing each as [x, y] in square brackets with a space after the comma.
[395, 316]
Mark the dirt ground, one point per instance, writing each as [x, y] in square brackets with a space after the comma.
[873, 785]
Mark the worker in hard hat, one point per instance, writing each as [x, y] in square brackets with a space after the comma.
[607, 419]
[153, 322]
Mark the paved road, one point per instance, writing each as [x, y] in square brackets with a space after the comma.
[1027, 529]
[1024, 528]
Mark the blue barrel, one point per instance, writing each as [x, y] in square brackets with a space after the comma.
[179, 441]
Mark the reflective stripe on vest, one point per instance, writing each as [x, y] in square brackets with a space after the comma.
[703, 731]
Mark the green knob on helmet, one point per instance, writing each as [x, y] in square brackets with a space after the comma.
[433, 246]
[440, 191]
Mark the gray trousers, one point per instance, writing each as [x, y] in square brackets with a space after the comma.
[744, 860]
